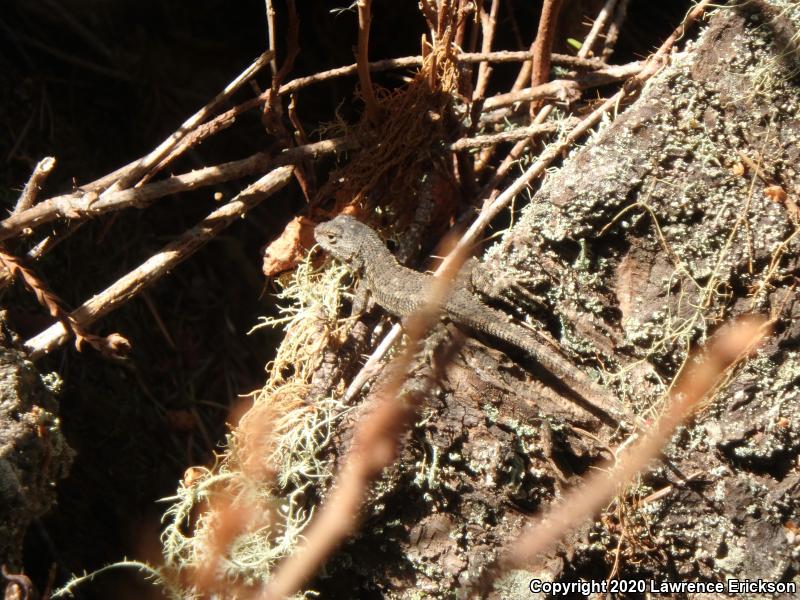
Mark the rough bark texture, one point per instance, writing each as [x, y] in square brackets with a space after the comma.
[664, 224]
[33, 452]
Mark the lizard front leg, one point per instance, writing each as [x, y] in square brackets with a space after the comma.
[361, 298]
[476, 277]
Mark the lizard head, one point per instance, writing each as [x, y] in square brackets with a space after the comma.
[347, 240]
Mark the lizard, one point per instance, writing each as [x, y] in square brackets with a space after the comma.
[401, 291]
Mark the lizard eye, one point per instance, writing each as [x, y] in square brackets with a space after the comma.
[331, 238]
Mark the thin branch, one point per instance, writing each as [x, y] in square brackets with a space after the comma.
[161, 263]
[72, 206]
[292, 46]
[488, 25]
[28, 197]
[566, 88]
[542, 115]
[112, 345]
[90, 204]
[512, 135]
[362, 59]
[139, 169]
[228, 118]
[406, 62]
[429, 10]
[651, 66]
[597, 27]
[543, 47]
[273, 62]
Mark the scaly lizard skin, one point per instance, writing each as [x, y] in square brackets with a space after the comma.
[401, 291]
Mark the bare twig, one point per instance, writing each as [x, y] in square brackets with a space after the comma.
[273, 62]
[542, 115]
[651, 66]
[429, 10]
[488, 24]
[362, 59]
[146, 163]
[512, 135]
[34, 185]
[71, 206]
[566, 88]
[597, 27]
[161, 263]
[114, 344]
[695, 382]
[501, 56]
[543, 47]
[228, 118]
[292, 46]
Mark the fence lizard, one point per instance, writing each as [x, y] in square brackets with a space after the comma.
[400, 291]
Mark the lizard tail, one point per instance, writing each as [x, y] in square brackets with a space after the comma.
[558, 365]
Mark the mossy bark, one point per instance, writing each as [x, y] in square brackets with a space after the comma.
[678, 215]
[33, 452]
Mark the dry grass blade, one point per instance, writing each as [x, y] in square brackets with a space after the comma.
[702, 373]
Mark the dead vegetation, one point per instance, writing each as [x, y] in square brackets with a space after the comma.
[435, 153]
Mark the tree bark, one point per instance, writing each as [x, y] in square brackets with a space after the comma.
[679, 215]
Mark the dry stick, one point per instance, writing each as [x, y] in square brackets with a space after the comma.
[543, 47]
[501, 56]
[474, 30]
[566, 87]
[228, 118]
[161, 263]
[113, 344]
[362, 60]
[273, 62]
[107, 180]
[598, 26]
[652, 65]
[544, 113]
[461, 21]
[488, 25]
[90, 205]
[694, 383]
[492, 207]
[70, 206]
[141, 167]
[512, 135]
[429, 10]
[374, 447]
[34, 185]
